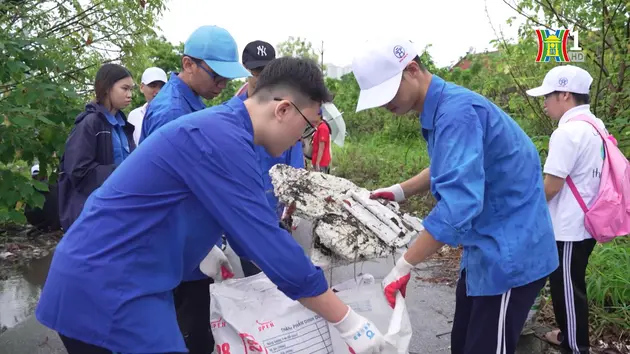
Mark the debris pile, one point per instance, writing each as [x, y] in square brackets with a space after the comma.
[19, 246]
[347, 225]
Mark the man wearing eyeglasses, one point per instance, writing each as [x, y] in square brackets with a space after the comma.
[210, 60]
[255, 57]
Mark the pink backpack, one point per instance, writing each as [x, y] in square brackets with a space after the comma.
[609, 215]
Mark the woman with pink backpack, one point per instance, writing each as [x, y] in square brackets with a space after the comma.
[594, 203]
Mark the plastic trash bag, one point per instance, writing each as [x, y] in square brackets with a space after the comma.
[250, 315]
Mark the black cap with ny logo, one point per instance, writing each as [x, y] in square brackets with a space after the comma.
[257, 54]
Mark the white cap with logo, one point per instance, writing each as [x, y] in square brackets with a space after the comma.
[153, 74]
[378, 68]
[565, 78]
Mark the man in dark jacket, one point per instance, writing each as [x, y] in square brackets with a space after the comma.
[87, 167]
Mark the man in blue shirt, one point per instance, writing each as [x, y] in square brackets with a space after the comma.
[486, 176]
[256, 56]
[210, 59]
[155, 218]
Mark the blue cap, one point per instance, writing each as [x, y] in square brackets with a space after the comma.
[218, 49]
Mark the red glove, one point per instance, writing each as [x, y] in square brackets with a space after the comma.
[216, 265]
[397, 280]
[394, 193]
[226, 273]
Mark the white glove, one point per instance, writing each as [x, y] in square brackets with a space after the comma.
[360, 334]
[394, 193]
[397, 280]
[216, 265]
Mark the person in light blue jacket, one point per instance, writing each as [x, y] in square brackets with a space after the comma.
[486, 176]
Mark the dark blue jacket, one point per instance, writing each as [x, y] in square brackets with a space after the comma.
[87, 161]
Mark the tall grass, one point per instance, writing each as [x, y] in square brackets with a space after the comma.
[392, 155]
[608, 287]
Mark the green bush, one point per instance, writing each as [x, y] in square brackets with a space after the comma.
[608, 285]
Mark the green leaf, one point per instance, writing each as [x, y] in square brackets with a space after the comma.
[16, 217]
[45, 120]
[21, 121]
[41, 186]
[15, 67]
[37, 200]
[25, 189]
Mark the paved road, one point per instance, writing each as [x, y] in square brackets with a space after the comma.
[430, 310]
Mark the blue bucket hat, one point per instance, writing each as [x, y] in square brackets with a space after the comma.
[218, 49]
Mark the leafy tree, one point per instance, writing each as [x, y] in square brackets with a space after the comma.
[154, 51]
[49, 54]
[512, 69]
[297, 47]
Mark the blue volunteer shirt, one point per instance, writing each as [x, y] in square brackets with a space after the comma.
[119, 139]
[153, 220]
[174, 100]
[293, 157]
[486, 176]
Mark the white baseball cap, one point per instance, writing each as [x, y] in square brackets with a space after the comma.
[153, 74]
[35, 170]
[378, 68]
[566, 78]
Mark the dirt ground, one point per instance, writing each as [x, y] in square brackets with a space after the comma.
[20, 244]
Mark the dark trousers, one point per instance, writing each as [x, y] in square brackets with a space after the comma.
[491, 324]
[249, 268]
[568, 294]
[192, 303]
[74, 346]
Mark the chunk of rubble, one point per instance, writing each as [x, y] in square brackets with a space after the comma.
[347, 225]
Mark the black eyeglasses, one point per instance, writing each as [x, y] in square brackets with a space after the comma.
[214, 76]
[310, 130]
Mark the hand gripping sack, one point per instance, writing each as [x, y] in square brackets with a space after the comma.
[251, 316]
[609, 214]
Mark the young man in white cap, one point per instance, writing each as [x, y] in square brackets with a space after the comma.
[150, 84]
[574, 162]
[209, 61]
[486, 176]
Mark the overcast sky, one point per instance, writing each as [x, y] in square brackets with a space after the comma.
[451, 26]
